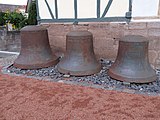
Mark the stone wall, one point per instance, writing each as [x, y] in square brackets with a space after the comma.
[9, 40]
[106, 36]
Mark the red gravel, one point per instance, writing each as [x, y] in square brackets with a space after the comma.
[30, 99]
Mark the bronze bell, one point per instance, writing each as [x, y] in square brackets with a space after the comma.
[132, 64]
[79, 59]
[35, 49]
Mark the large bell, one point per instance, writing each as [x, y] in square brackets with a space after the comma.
[79, 59]
[132, 64]
[35, 49]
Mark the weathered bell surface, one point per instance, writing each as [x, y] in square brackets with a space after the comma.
[79, 59]
[35, 49]
[132, 64]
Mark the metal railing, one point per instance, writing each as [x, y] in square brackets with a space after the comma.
[99, 18]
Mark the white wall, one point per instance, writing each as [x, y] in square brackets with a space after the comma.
[118, 7]
[65, 8]
[88, 8]
[145, 8]
[85, 8]
[43, 10]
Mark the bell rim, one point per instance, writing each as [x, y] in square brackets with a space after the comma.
[132, 80]
[37, 66]
[79, 73]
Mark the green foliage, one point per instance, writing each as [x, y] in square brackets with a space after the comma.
[32, 14]
[17, 19]
[23, 23]
[2, 21]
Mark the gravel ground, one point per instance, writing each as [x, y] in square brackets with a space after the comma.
[7, 60]
[100, 80]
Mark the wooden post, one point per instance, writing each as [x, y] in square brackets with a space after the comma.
[159, 9]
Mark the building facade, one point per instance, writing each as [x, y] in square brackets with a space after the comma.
[107, 20]
[6, 7]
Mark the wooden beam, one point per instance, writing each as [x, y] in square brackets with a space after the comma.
[98, 8]
[107, 8]
[159, 9]
[50, 11]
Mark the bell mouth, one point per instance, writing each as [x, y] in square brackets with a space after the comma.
[82, 72]
[30, 65]
[146, 79]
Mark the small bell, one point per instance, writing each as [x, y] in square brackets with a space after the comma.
[35, 49]
[132, 64]
[79, 59]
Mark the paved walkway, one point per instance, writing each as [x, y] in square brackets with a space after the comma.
[31, 99]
